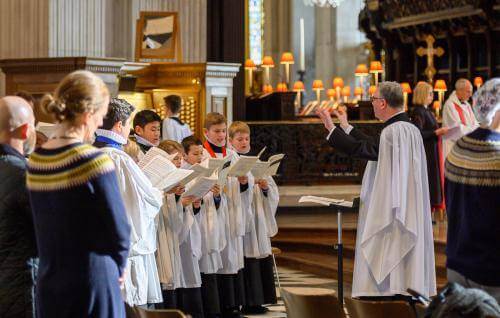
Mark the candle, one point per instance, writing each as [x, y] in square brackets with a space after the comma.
[302, 46]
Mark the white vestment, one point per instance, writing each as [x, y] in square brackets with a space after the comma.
[394, 244]
[235, 222]
[190, 250]
[262, 225]
[451, 117]
[170, 224]
[142, 203]
[173, 130]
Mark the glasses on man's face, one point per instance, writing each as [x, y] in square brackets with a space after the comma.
[374, 98]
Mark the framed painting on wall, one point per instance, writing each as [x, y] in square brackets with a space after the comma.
[157, 36]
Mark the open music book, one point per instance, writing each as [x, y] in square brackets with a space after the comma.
[201, 186]
[262, 169]
[325, 201]
[45, 128]
[244, 164]
[152, 155]
[164, 175]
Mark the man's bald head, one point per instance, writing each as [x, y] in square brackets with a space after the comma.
[14, 113]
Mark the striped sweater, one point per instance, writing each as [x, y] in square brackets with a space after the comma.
[472, 172]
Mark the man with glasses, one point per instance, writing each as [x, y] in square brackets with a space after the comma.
[394, 245]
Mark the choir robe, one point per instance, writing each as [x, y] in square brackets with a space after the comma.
[457, 113]
[142, 202]
[174, 129]
[424, 119]
[170, 225]
[230, 277]
[394, 243]
[261, 226]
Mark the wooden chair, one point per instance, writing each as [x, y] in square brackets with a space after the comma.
[378, 309]
[302, 302]
[159, 313]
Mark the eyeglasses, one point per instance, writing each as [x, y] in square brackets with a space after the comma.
[374, 98]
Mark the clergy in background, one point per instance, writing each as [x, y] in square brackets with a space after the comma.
[142, 203]
[458, 112]
[394, 244]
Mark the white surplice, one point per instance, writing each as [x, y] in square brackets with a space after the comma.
[394, 244]
[173, 130]
[170, 225]
[142, 203]
[190, 250]
[262, 225]
[235, 222]
[452, 118]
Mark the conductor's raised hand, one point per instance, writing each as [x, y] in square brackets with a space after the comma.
[326, 118]
[341, 114]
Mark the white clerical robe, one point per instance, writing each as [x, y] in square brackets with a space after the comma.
[190, 250]
[394, 244]
[172, 129]
[457, 113]
[142, 203]
[262, 225]
[170, 225]
[235, 223]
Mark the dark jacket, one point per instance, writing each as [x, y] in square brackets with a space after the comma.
[18, 265]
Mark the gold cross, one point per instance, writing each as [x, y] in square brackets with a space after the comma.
[430, 51]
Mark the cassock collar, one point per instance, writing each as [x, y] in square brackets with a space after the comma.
[143, 141]
[6, 149]
[175, 118]
[215, 148]
[401, 116]
[109, 134]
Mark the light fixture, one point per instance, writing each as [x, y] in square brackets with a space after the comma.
[267, 63]
[318, 87]
[287, 59]
[299, 87]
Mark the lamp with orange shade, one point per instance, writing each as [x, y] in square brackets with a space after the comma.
[372, 90]
[338, 84]
[281, 87]
[299, 87]
[375, 69]
[267, 88]
[318, 87]
[361, 72]
[436, 105]
[331, 93]
[346, 93]
[250, 67]
[287, 59]
[406, 90]
[440, 87]
[478, 81]
[358, 92]
[267, 63]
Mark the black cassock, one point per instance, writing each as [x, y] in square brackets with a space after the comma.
[424, 119]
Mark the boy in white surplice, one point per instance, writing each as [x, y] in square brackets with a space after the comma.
[142, 202]
[260, 227]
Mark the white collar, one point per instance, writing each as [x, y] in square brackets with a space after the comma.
[111, 135]
[143, 141]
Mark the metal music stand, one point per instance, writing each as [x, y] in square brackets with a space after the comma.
[340, 247]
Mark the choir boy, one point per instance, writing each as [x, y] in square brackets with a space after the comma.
[230, 278]
[147, 129]
[142, 203]
[258, 270]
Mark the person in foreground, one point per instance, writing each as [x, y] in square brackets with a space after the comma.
[80, 222]
[18, 263]
[394, 244]
[472, 172]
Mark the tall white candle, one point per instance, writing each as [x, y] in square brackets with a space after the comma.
[302, 46]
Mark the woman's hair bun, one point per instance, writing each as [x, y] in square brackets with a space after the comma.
[53, 107]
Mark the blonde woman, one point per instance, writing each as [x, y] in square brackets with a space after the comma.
[424, 119]
[81, 228]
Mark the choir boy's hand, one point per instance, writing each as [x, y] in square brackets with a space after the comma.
[197, 204]
[243, 180]
[441, 131]
[341, 114]
[216, 190]
[263, 185]
[187, 200]
[326, 118]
